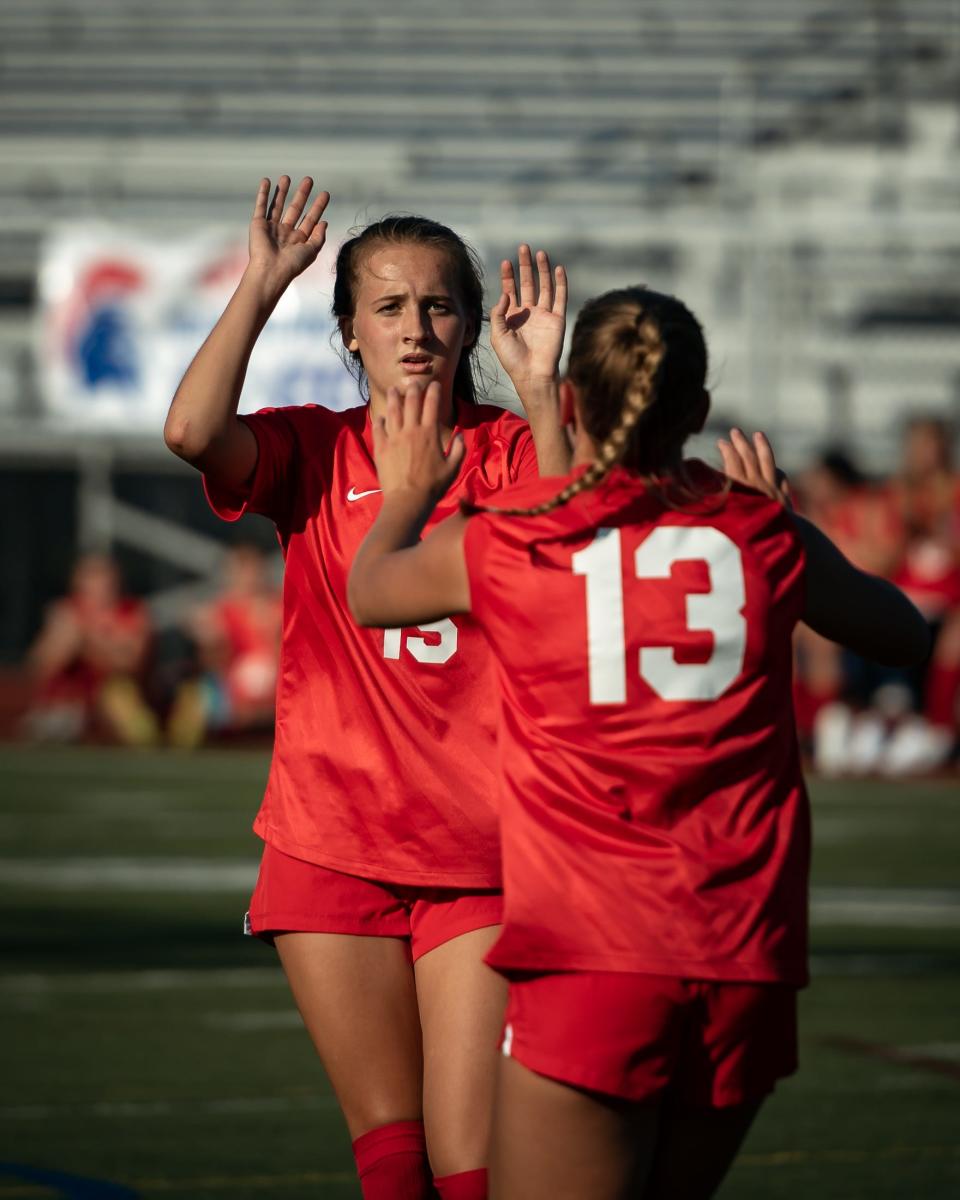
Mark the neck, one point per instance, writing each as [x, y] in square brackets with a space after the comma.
[378, 408]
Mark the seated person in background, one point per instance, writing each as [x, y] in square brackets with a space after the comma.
[237, 636]
[88, 662]
[909, 532]
[925, 497]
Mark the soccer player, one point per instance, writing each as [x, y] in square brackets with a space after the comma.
[654, 822]
[380, 876]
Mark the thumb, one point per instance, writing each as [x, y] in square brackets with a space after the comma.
[455, 456]
[498, 314]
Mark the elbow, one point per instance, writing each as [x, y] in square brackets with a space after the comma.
[176, 436]
[356, 601]
[184, 439]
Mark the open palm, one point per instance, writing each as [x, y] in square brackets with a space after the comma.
[283, 246]
[526, 330]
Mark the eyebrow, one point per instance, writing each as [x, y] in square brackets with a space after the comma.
[403, 296]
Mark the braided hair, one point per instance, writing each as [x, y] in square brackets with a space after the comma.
[639, 360]
[468, 275]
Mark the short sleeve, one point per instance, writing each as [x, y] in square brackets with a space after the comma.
[523, 461]
[270, 487]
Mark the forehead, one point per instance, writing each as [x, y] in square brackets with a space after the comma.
[394, 267]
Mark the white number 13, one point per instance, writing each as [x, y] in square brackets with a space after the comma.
[718, 611]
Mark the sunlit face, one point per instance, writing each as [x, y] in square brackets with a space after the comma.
[409, 321]
[95, 581]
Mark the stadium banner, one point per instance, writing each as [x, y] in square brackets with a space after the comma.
[122, 313]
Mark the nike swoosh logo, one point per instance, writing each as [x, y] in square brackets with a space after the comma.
[353, 494]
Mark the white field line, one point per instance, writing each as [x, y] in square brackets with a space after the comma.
[253, 1022]
[897, 907]
[902, 908]
[132, 874]
[148, 1109]
[100, 982]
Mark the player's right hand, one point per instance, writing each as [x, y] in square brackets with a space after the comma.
[283, 243]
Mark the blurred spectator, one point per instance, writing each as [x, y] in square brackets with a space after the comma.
[909, 531]
[88, 662]
[237, 637]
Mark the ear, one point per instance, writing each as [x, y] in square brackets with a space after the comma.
[699, 415]
[568, 403]
[469, 334]
[347, 335]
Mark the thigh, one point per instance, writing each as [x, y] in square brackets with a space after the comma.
[695, 1149]
[555, 1142]
[358, 1000]
[461, 1012]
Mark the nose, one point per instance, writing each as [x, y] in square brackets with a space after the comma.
[415, 328]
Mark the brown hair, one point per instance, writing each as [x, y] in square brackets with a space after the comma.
[639, 360]
[468, 274]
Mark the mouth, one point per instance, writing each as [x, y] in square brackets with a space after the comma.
[417, 364]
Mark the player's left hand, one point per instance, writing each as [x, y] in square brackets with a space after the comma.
[526, 329]
[751, 461]
[407, 445]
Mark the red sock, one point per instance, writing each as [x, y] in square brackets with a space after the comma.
[943, 692]
[392, 1162]
[468, 1185]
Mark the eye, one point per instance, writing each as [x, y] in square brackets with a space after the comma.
[391, 307]
[439, 306]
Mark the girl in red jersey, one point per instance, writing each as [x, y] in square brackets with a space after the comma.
[380, 875]
[654, 822]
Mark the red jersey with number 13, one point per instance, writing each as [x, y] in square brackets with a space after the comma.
[653, 811]
[383, 762]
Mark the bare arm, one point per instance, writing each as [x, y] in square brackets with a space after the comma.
[846, 605]
[396, 579]
[526, 333]
[202, 426]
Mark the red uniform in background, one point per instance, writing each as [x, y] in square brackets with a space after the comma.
[654, 818]
[383, 764]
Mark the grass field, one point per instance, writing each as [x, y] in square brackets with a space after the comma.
[148, 1046]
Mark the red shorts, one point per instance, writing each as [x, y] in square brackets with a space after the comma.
[643, 1037]
[293, 896]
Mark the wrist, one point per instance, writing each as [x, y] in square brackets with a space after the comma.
[263, 287]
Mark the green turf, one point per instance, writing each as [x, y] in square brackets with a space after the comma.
[147, 1043]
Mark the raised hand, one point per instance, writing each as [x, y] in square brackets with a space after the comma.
[751, 461]
[526, 330]
[283, 243]
[407, 446]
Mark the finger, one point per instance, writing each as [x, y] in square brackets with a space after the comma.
[732, 465]
[744, 448]
[318, 235]
[412, 404]
[560, 293]
[279, 197]
[455, 457]
[765, 457]
[313, 215]
[298, 203]
[508, 282]
[545, 280]
[430, 412]
[393, 417]
[527, 297]
[263, 194]
[498, 315]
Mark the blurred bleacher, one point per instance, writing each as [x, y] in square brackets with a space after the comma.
[790, 170]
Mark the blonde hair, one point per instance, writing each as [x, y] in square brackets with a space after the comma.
[639, 360]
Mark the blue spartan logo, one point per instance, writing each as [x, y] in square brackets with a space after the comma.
[107, 351]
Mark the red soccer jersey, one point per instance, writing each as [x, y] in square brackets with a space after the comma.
[653, 816]
[383, 762]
